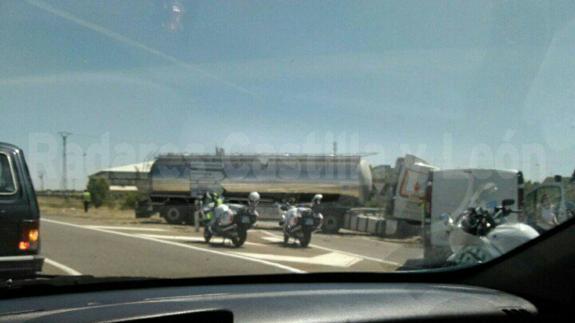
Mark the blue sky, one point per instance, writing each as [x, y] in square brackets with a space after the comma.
[460, 83]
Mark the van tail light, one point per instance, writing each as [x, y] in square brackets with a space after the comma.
[29, 236]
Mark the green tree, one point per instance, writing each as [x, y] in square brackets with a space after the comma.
[98, 188]
[530, 186]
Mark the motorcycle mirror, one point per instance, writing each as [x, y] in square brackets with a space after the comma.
[508, 202]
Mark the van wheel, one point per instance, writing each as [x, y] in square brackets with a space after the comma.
[174, 215]
[330, 224]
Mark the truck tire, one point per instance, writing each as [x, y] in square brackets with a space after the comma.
[174, 215]
[331, 224]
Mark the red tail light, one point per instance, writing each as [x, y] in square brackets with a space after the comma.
[30, 236]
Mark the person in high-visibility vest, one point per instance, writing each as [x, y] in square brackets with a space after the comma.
[210, 202]
[87, 198]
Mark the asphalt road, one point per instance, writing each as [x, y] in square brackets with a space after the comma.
[74, 246]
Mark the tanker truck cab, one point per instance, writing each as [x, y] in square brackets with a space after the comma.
[451, 191]
[19, 216]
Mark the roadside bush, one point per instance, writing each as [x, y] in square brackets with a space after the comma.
[130, 200]
[98, 188]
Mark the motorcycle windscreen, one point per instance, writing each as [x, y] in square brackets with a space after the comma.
[292, 217]
[224, 214]
[454, 189]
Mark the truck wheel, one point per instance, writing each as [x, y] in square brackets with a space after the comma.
[330, 224]
[174, 215]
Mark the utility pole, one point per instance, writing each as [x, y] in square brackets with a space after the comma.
[41, 176]
[335, 148]
[84, 165]
[64, 135]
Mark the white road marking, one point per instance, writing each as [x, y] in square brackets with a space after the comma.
[275, 238]
[125, 228]
[62, 267]
[192, 239]
[333, 259]
[171, 243]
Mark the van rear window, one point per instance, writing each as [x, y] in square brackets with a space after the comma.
[7, 182]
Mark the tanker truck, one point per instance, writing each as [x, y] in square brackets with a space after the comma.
[177, 182]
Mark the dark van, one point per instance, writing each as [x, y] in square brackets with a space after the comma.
[19, 216]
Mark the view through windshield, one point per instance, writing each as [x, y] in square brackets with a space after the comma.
[178, 138]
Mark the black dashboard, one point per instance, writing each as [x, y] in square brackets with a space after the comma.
[319, 302]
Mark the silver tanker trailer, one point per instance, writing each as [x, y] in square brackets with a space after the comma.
[177, 182]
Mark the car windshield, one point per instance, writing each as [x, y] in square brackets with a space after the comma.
[174, 138]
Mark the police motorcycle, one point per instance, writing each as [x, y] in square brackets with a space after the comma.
[480, 234]
[230, 221]
[299, 222]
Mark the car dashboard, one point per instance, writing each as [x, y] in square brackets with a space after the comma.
[320, 302]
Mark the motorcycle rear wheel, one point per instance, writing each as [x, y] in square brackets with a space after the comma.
[305, 239]
[207, 234]
[241, 238]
